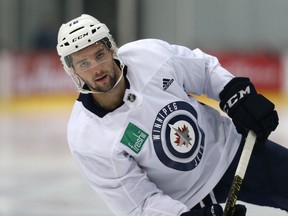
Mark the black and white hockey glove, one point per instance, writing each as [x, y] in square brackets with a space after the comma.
[215, 210]
[248, 109]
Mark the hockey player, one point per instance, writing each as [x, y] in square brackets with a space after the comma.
[146, 146]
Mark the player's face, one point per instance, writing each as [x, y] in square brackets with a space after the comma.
[96, 67]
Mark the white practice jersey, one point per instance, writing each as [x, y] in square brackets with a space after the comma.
[161, 152]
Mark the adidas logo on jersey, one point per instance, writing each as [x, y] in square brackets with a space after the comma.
[167, 83]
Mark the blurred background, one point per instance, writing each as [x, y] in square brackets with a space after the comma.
[37, 173]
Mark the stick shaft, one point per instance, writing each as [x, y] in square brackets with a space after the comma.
[240, 173]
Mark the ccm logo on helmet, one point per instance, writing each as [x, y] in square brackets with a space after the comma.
[79, 37]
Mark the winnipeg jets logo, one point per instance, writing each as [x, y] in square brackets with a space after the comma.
[178, 140]
[182, 137]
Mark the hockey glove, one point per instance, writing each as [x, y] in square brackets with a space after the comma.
[215, 210]
[248, 109]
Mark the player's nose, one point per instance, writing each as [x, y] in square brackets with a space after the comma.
[96, 69]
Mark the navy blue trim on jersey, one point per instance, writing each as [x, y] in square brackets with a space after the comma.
[89, 103]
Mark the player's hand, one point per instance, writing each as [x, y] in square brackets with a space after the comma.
[248, 109]
[215, 210]
[240, 210]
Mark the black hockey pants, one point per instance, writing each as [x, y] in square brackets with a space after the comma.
[266, 179]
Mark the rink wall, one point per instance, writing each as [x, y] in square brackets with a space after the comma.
[35, 73]
[34, 82]
[39, 75]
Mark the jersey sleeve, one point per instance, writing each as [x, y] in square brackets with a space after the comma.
[124, 187]
[198, 72]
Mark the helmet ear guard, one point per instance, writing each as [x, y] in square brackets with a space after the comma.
[68, 61]
[107, 43]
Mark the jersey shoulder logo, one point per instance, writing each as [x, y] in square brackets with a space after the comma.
[167, 83]
[134, 138]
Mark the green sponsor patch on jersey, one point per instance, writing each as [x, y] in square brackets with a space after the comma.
[134, 138]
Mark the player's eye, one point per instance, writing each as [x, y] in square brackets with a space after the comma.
[84, 64]
[100, 56]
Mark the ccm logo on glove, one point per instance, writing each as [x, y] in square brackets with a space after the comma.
[248, 109]
[235, 98]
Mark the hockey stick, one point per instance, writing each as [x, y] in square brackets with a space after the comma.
[239, 174]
